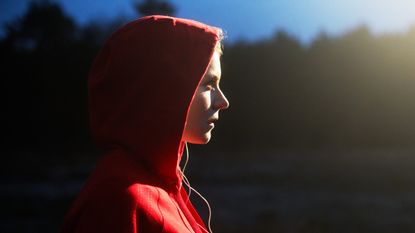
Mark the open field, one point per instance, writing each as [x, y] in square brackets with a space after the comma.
[250, 191]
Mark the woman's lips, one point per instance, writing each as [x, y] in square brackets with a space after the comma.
[211, 122]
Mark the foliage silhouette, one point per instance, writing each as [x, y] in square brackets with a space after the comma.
[154, 7]
[350, 91]
[46, 57]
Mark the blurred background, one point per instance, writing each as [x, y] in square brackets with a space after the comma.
[320, 135]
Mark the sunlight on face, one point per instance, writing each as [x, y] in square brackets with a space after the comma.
[205, 106]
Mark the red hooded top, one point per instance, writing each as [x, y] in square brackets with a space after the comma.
[140, 88]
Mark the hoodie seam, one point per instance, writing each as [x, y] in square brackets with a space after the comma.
[161, 213]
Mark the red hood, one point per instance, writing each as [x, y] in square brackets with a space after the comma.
[141, 85]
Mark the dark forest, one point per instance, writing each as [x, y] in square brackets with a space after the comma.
[336, 116]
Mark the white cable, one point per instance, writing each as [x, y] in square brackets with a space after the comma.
[186, 181]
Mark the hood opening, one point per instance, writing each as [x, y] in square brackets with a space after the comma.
[141, 85]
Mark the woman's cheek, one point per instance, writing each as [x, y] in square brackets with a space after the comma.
[206, 100]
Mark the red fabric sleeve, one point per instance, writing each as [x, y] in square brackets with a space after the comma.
[108, 211]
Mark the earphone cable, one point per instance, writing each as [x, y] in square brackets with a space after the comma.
[190, 188]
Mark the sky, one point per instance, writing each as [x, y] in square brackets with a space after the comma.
[255, 20]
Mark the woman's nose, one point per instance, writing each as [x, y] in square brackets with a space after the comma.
[221, 102]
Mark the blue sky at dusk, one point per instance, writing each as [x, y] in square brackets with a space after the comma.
[253, 20]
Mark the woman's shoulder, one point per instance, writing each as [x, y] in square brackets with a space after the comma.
[134, 190]
[116, 203]
[118, 176]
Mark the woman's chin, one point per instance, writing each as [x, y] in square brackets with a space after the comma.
[202, 139]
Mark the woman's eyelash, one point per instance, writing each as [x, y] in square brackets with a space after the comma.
[210, 85]
[212, 82]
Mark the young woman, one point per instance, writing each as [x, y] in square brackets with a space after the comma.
[153, 87]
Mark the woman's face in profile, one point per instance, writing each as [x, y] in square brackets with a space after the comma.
[205, 106]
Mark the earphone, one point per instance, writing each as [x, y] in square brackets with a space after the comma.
[186, 181]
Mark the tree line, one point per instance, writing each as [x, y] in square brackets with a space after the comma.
[350, 91]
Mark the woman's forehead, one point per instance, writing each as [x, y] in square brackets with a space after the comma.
[214, 69]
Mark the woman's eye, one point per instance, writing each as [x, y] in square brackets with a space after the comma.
[210, 86]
